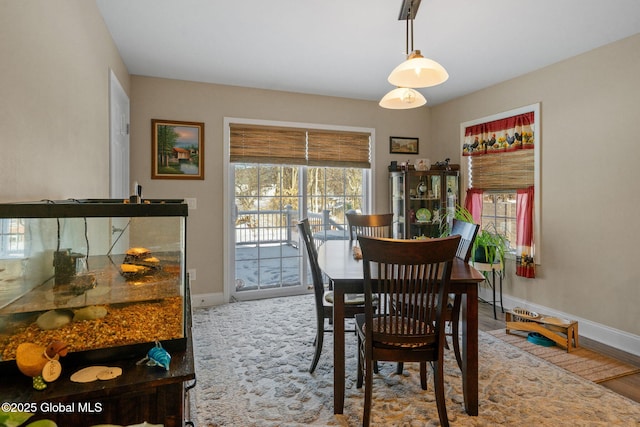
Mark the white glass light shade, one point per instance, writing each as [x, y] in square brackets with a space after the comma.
[418, 71]
[402, 98]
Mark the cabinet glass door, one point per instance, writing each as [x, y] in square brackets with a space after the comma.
[452, 196]
[436, 187]
[424, 204]
[397, 198]
[421, 200]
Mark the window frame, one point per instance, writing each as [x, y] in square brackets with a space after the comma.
[465, 165]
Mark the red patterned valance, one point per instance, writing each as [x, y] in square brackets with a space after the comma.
[502, 135]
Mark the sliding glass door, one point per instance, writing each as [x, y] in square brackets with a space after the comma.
[269, 200]
[267, 206]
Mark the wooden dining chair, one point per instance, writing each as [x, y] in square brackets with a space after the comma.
[467, 232]
[374, 225]
[417, 271]
[323, 299]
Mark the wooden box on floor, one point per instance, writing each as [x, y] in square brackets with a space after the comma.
[563, 333]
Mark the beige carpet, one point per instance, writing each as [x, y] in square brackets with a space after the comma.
[583, 362]
[252, 361]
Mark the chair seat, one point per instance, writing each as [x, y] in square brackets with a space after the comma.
[349, 299]
[378, 321]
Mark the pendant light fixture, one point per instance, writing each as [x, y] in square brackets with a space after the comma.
[402, 98]
[416, 72]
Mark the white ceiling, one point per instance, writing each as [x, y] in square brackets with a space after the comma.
[347, 48]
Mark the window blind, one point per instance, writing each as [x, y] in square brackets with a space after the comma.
[504, 171]
[345, 149]
[280, 145]
[267, 144]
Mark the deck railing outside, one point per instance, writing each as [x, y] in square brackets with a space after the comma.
[280, 226]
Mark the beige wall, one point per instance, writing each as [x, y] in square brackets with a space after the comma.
[54, 99]
[153, 98]
[590, 108]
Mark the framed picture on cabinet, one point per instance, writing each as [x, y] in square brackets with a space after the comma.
[177, 149]
[403, 145]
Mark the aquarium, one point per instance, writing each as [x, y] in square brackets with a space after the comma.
[106, 277]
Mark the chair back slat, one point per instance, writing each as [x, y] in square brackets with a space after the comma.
[374, 225]
[467, 232]
[415, 271]
[316, 274]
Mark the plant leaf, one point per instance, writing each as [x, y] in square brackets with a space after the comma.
[14, 419]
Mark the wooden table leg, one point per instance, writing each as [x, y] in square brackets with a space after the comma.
[501, 304]
[338, 350]
[493, 287]
[470, 349]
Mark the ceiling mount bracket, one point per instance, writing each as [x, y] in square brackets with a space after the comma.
[409, 9]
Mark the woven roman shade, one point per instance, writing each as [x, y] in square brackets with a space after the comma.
[267, 144]
[334, 148]
[297, 146]
[503, 171]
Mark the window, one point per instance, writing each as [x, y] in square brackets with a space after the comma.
[502, 154]
[499, 214]
[334, 192]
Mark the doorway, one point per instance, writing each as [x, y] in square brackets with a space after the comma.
[118, 139]
[276, 174]
[119, 186]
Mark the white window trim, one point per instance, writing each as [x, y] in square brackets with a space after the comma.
[228, 191]
[536, 156]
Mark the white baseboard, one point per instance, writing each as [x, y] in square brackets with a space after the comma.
[616, 338]
[207, 300]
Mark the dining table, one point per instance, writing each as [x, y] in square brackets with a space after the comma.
[346, 276]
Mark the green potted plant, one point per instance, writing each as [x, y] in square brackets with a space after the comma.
[489, 247]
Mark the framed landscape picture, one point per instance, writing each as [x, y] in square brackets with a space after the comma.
[402, 145]
[177, 149]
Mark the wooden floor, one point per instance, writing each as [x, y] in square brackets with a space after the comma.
[628, 386]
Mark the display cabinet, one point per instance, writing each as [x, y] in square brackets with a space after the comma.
[420, 200]
[106, 277]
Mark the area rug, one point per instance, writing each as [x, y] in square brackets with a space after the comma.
[588, 364]
[252, 361]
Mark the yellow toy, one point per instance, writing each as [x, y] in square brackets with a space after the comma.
[41, 363]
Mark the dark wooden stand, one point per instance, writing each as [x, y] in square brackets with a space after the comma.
[141, 393]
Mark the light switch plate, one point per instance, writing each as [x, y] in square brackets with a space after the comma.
[192, 202]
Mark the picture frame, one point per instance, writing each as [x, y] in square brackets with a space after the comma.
[177, 149]
[403, 145]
